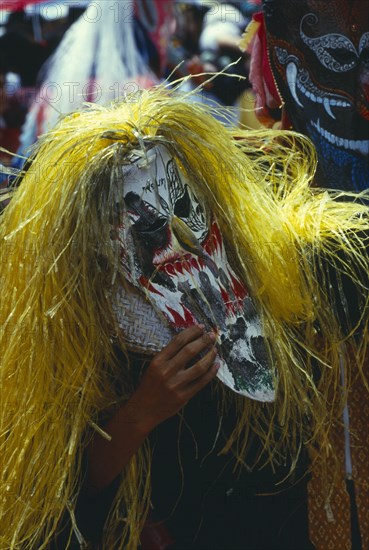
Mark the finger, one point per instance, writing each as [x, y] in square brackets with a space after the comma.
[179, 341]
[191, 351]
[200, 382]
[199, 369]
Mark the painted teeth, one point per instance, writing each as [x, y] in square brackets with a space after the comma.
[357, 145]
[291, 75]
[327, 107]
[295, 82]
[195, 263]
[328, 102]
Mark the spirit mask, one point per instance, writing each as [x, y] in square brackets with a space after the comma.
[319, 53]
[172, 254]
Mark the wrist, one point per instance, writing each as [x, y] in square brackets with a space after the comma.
[140, 421]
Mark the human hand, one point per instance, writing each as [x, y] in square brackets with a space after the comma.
[172, 378]
[174, 375]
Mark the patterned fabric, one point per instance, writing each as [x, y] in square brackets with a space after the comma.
[318, 52]
[330, 525]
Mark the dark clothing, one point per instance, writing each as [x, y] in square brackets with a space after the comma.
[202, 501]
[212, 507]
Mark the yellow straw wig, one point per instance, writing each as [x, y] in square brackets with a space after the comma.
[58, 368]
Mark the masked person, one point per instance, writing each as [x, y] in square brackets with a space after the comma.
[318, 53]
[146, 252]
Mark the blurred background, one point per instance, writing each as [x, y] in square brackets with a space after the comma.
[54, 56]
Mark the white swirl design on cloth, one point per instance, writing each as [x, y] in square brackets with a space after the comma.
[364, 42]
[298, 79]
[333, 41]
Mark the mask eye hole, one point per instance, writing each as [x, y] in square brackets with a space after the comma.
[142, 226]
[144, 217]
[182, 206]
[185, 204]
[342, 55]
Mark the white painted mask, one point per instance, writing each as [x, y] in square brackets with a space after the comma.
[174, 257]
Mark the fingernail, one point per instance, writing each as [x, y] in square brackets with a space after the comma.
[202, 327]
[212, 335]
[217, 367]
